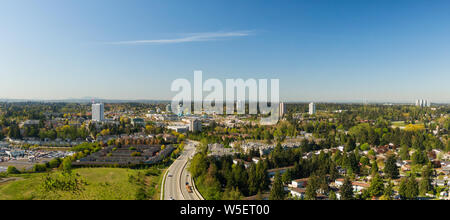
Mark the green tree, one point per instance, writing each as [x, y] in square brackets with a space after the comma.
[376, 188]
[277, 192]
[347, 190]
[419, 157]
[425, 185]
[389, 191]
[311, 188]
[332, 195]
[12, 170]
[66, 165]
[404, 152]
[232, 194]
[390, 168]
[409, 188]
[14, 131]
[374, 168]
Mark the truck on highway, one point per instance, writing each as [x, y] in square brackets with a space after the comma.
[188, 188]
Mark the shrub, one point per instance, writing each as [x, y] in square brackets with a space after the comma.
[39, 168]
[12, 170]
[136, 154]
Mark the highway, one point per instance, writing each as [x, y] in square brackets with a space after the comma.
[177, 176]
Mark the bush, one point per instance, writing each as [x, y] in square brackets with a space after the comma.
[39, 168]
[54, 163]
[365, 147]
[12, 170]
[136, 154]
[86, 148]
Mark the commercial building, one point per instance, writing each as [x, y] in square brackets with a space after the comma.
[423, 103]
[195, 125]
[179, 128]
[98, 112]
[282, 109]
[312, 108]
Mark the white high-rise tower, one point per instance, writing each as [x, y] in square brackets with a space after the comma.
[98, 112]
[312, 108]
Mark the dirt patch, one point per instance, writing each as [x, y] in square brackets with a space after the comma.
[9, 179]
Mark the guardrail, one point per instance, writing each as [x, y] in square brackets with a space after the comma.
[199, 195]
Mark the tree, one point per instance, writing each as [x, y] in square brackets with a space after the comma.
[347, 190]
[404, 152]
[286, 177]
[390, 168]
[374, 168]
[376, 188]
[14, 131]
[12, 170]
[332, 196]
[365, 147]
[425, 183]
[66, 165]
[54, 163]
[311, 188]
[350, 145]
[232, 194]
[409, 188]
[402, 189]
[277, 192]
[419, 157]
[389, 191]
[412, 188]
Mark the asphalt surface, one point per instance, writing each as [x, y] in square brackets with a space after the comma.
[177, 176]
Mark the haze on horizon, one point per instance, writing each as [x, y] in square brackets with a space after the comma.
[323, 50]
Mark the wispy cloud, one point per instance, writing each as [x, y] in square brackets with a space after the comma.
[193, 37]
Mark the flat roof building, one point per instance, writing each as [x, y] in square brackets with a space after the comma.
[98, 112]
[312, 108]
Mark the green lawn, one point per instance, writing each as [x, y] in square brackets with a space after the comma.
[103, 184]
[398, 123]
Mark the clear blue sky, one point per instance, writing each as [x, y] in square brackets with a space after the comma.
[383, 50]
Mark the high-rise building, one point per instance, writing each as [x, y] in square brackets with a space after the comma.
[312, 108]
[423, 103]
[282, 109]
[98, 112]
[168, 108]
[195, 125]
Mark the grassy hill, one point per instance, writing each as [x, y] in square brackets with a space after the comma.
[102, 184]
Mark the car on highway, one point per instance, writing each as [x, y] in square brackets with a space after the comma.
[170, 175]
[188, 188]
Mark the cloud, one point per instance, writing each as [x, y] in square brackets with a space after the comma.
[194, 37]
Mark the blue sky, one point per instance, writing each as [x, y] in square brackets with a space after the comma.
[320, 50]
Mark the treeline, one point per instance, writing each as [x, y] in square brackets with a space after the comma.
[220, 178]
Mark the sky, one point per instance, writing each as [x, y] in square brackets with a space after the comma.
[346, 50]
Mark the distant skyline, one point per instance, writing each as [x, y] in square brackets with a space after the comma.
[321, 50]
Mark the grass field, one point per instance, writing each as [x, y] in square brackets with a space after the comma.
[102, 184]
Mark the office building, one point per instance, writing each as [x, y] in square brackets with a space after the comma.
[195, 125]
[98, 112]
[312, 108]
[423, 103]
[282, 109]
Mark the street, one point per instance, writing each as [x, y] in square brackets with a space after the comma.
[177, 176]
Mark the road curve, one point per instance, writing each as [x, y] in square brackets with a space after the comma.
[177, 176]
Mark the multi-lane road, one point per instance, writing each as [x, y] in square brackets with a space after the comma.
[177, 176]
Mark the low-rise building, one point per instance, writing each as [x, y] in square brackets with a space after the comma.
[299, 183]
